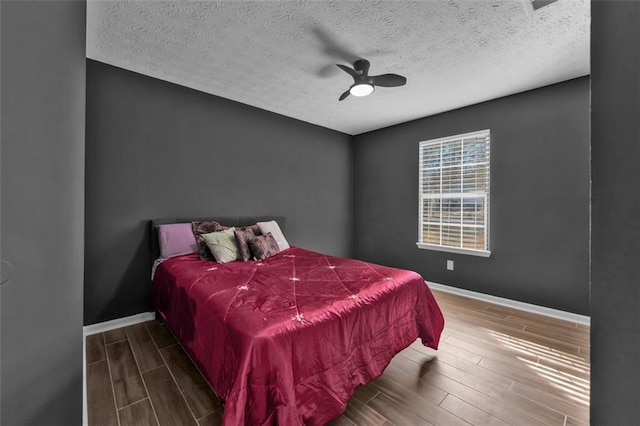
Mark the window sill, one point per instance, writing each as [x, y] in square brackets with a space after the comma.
[481, 253]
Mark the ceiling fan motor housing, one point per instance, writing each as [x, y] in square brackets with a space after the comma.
[361, 66]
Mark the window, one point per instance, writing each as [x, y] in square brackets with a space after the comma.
[454, 194]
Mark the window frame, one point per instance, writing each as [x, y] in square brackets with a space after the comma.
[486, 133]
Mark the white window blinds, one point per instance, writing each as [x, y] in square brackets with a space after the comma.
[454, 193]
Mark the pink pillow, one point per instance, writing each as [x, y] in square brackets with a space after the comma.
[176, 239]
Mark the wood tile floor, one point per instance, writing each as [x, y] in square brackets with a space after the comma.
[495, 366]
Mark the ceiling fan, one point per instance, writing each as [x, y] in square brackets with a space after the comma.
[364, 84]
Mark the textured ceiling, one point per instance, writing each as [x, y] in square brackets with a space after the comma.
[280, 55]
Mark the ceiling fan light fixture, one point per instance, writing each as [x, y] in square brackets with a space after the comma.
[361, 89]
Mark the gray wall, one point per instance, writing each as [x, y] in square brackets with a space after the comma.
[539, 197]
[154, 149]
[615, 269]
[2, 277]
[43, 103]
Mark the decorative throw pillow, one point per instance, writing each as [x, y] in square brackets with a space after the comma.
[255, 228]
[176, 239]
[272, 226]
[243, 236]
[205, 227]
[264, 246]
[222, 245]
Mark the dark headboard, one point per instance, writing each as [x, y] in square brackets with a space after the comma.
[227, 221]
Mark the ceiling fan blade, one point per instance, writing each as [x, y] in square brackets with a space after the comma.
[388, 80]
[344, 95]
[349, 71]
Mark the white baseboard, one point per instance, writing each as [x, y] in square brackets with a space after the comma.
[85, 417]
[541, 310]
[101, 327]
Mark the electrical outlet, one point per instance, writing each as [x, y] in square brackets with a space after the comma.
[449, 265]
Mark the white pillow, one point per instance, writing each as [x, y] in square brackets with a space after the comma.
[272, 226]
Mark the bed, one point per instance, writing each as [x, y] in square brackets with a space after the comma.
[286, 340]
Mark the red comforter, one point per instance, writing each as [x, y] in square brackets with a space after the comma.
[288, 339]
